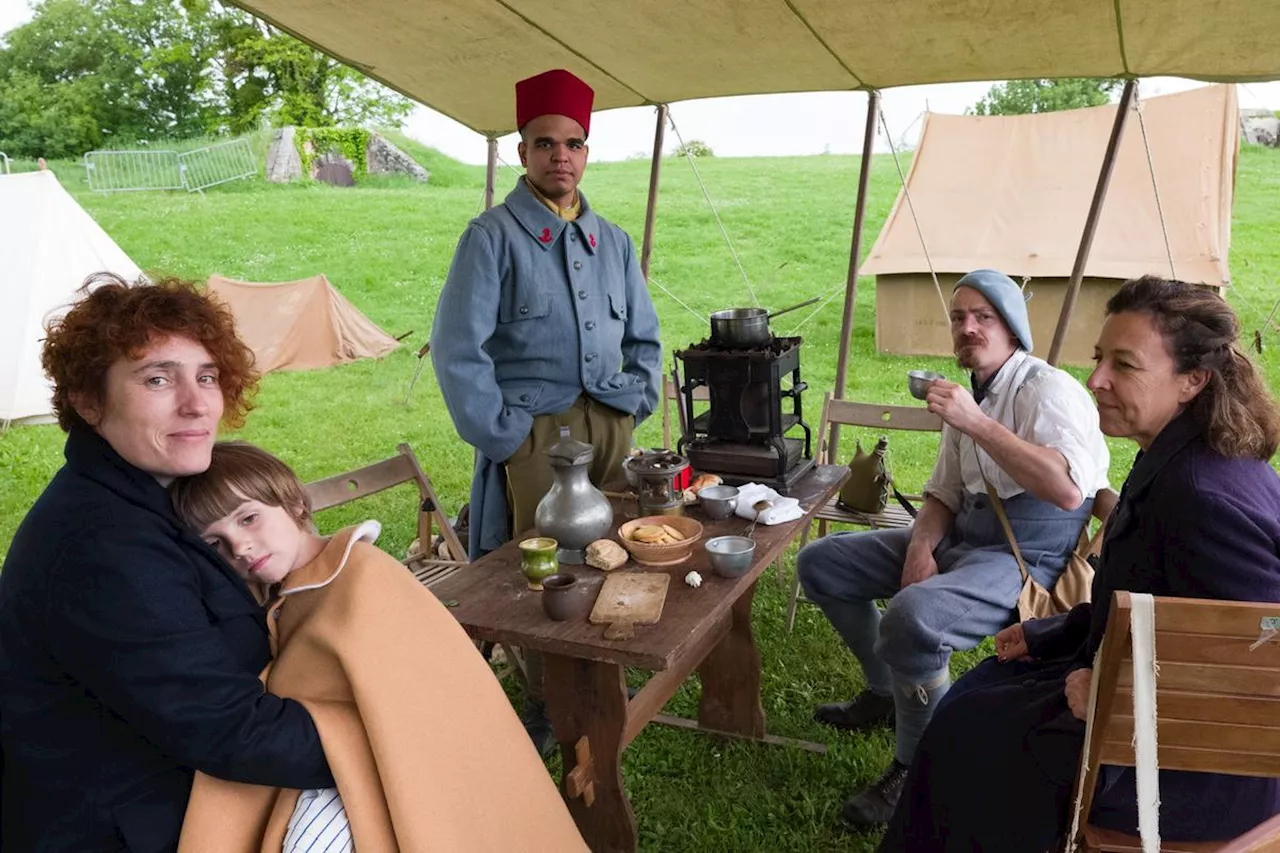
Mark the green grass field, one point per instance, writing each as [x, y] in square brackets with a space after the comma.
[387, 244]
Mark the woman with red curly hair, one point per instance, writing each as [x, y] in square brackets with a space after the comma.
[129, 650]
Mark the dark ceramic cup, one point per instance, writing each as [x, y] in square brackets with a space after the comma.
[561, 597]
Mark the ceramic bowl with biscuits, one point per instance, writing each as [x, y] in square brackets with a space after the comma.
[660, 540]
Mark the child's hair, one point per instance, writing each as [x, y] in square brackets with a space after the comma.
[238, 472]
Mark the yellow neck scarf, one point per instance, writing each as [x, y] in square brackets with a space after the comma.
[568, 214]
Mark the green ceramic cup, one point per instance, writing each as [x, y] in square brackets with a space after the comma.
[538, 560]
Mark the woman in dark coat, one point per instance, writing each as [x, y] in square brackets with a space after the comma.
[129, 651]
[1198, 517]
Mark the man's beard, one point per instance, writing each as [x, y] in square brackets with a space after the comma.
[966, 353]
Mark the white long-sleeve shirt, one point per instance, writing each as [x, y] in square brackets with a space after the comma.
[1039, 404]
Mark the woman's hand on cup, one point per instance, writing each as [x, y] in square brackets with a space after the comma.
[1011, 644]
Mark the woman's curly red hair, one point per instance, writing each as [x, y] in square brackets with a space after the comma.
[115, 320]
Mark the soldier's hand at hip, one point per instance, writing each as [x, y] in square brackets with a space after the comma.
[955, 405]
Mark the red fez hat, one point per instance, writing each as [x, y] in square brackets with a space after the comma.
[554, 92]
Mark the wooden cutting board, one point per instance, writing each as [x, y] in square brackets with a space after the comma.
[630, 599]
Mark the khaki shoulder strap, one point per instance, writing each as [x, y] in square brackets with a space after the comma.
[998, 506]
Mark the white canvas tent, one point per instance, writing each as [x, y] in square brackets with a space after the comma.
[48, 246]
[995, 191]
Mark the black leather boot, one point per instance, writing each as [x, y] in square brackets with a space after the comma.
[538, 726]
[867, 710]
[876, 803]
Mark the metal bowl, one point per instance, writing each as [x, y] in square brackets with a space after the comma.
[718, 501]
[918, 382]
[730, 556]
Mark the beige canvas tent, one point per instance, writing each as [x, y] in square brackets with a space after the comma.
[1012, 193]
[300, 325]
[461, 57]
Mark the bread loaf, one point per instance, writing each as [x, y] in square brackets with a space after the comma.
[703, 480]
[605, 554]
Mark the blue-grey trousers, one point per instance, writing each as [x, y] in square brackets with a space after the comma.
[973, 596]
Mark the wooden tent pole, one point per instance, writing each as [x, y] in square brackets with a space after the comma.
[1091, 222]
[651, 210]
[855, 251]
[490, 172]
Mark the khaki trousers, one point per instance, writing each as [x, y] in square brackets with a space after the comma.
[529, 475]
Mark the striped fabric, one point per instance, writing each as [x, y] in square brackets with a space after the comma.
[319, 824]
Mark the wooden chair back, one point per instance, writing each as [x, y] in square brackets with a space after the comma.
[871, 415]
[1217, 700]
[371, 479]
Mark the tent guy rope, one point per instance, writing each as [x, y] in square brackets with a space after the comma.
[1155, 187]
[674, 298]
[754, 299]
[906, 193]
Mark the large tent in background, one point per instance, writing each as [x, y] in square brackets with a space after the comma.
[1009, 192]
[299, 325]
[461, 57]
[48, 246]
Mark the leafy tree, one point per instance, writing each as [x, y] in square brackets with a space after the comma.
[88, 73]
[263, 73]
[694, 148]
[1019, 97]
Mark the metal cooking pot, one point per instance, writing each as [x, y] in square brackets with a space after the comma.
[746, 327]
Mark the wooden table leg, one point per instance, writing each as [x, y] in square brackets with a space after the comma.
[588, 699]
[731, 677]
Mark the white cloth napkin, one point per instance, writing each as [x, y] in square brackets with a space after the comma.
[783, 509]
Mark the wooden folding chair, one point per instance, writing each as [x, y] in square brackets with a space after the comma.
[884, 418]
[401, 468]
[1217, 701]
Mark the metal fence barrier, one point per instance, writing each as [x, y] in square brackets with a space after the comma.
[193, 171]
[217, 164]
[133, 171]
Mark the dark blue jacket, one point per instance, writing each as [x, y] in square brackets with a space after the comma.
[995, 770]
[129, 655]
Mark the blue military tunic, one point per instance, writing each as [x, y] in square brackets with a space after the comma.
[535, 312]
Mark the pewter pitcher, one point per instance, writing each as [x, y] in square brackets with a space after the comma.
[573, 512]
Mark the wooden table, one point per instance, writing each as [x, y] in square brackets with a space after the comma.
[707, 629]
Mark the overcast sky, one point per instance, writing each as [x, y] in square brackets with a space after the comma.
[758, 125]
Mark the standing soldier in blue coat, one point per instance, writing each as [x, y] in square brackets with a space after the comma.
[545, 321]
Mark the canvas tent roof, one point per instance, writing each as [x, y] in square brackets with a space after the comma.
[48, 246]
[300, 325]
[1012, 192]
[462, 57]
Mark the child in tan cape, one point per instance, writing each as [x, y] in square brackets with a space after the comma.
[412, 721]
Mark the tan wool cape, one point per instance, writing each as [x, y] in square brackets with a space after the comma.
[427, 752]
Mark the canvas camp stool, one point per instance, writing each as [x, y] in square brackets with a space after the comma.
[1217, 701]
[881, 418]
[402, 468]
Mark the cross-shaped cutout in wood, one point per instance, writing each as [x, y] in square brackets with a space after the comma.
[581, 780]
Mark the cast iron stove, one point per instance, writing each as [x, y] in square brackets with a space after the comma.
[743, 435]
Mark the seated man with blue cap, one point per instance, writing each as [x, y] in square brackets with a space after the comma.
[1030, 432]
